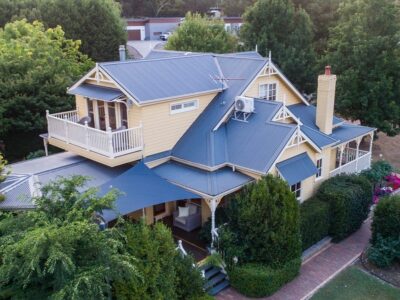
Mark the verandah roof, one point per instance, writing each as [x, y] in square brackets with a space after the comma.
[141, 188]
[96, 92]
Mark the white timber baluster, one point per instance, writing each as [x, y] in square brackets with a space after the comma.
[87, 136]
[110, 142]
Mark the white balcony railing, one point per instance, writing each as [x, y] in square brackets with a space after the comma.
[353, 164]
[64, 126]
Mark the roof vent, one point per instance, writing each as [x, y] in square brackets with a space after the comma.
[244, 104]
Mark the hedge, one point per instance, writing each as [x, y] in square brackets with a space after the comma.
[349, 198]
[314, 222]
[386, 221]
[257, 280]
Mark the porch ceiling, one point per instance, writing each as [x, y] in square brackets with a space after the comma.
[141, 187]
[96, 92]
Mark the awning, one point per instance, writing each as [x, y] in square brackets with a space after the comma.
[297, 168]
[96, 92]
[142, 188]
[210, 183]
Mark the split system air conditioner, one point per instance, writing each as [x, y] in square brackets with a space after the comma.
[244, 104]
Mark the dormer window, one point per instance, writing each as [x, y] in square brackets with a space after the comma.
[268, 91]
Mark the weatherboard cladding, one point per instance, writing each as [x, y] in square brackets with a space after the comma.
[297, 168]
[210, 183]
[141, 188]
[96, 92]
[149, 80]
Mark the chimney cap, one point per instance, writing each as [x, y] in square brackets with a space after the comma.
[327, 70]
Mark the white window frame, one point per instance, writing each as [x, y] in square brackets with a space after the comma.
[182, 106]
[319, 174]
[296, 188]
[267, 90]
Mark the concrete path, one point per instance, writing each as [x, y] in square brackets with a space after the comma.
[318, 270]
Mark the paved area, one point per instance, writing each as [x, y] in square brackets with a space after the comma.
[316, 271]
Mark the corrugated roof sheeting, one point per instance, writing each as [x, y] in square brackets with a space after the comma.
[200, 144]
[256, 144]
[317, 137]
[297, 168]
[348, 132]
[307, 114]
[141, 187]
[148, 80]
[210, 183]
[96, 92]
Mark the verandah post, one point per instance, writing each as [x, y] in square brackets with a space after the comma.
[213, 208]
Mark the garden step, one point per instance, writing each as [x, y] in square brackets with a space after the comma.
[219, 287]
[213, 281]
[211, 272]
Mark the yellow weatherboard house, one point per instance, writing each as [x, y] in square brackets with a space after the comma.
[197, 127]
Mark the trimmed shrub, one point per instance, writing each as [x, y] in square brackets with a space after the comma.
[386, 221]
[377, 172]
[349, 198]
[257, 280]
[384, 251]
[189, 282]
[314, 222]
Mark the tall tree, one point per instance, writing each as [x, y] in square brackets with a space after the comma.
[200, 34]
[36, 67]
[286, 31]
[364, 52]
[97, 23]
[58, 251]
[324, 15]
[235, 8]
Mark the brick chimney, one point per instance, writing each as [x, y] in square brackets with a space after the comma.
[326, 101]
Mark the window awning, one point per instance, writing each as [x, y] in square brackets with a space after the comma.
[297, 168]
[141, 188]
[96, 92]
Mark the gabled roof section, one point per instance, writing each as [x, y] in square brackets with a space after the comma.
[307, 114]
[200, 144]
[319, 138]
[162, 79]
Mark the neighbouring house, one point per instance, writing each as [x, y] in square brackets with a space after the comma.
[140, 29]
[197, 127]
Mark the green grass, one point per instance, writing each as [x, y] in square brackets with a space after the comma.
[355, 284]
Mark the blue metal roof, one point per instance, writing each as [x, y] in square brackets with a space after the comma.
[256, 144]
[210, 183]
[142, 188]
[158, 79]
[297, 168]
[307, 113]
[200, 144]
[317, 137]
[348, 132]
[96, 92]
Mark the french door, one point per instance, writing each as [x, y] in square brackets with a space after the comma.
[106, 115]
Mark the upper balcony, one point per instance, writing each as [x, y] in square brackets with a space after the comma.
[110, 147]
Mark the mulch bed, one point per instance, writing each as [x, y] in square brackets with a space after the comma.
[390, 274]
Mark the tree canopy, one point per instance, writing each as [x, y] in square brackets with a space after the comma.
[36, 67]
[263, 224]
[278, 26]
[96, 23]
[201, 34]
[58, 250]
[364, 53]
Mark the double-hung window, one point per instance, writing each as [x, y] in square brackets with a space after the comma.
[184, 106]
[296, 190]
[319, 168]
[268, 91]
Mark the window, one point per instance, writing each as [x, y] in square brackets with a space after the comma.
[184, 106]
[268, 91]
[319, 167]
[296, 190]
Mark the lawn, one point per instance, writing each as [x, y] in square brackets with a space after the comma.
[355, 284]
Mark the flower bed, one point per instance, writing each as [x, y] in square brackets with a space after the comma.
[392, 186]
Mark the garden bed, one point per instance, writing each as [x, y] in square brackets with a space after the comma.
[390, 274]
